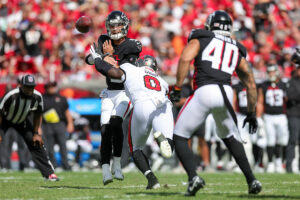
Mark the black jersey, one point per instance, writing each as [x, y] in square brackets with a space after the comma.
[15, 107]
[274, 97]
[217, 58]
[241, 94]
[127, 51]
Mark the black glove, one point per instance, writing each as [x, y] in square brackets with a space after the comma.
[251, 119]
[175, 94]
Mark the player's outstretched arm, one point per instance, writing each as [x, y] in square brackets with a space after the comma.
[106, 66]
[245, 74]
[187, 55]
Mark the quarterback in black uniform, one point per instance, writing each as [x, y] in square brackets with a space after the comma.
[272, 100]
[115, 105]
[216, 57]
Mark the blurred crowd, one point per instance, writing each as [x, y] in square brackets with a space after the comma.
[38, 36]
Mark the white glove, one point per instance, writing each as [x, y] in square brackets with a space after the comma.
[94, 53]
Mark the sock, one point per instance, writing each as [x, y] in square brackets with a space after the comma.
[238, 152]
[260, 154]
[278, 149]
[105, 168]
[117, 162]
[106, 145]
[117, 135]
[270, 152]
[185, 155]
[255, 152]
[219, 151]
[141, 161]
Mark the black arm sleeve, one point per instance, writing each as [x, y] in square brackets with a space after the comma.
[102, 66]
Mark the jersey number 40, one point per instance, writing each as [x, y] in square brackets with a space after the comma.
[214, 53]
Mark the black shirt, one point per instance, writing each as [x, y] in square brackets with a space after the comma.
[127, 51]
[274, 97]
[293, 94]
[217, 58]
[15, 107]
[57, 102]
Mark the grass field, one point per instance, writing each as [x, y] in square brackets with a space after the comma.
[88, 185]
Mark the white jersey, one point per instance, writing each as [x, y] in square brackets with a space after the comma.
[142, 83]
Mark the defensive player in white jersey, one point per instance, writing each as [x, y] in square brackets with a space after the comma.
[216, 57]
[147, 92]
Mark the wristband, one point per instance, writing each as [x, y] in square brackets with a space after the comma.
[177, 88]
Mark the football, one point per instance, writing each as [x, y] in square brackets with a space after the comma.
[83, 24]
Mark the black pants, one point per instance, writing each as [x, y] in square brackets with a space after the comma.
[39, 155]
[294, 129]
[11, 135]
[52, 134]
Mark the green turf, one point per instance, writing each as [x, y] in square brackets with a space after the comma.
[88, 185]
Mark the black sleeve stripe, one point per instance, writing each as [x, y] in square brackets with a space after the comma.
[7, 96]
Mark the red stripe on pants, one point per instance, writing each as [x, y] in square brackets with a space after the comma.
[129, 133]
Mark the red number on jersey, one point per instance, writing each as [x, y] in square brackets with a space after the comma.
[152, 83]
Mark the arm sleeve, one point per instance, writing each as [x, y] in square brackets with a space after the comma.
[102, 66]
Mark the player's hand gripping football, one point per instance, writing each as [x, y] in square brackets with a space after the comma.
[251, 119]
[37, 140]
[175, 94]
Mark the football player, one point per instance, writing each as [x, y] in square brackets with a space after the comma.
[216, 57]
[258, 140]
[147, 92]
[272, 101]
[115, 104]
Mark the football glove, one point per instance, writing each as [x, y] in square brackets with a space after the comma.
[95, 52]
[251, 119]
[175, 94]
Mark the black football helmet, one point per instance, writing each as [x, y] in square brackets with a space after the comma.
[117, 18]
[219, 22]
[296, 57]
[147, 61]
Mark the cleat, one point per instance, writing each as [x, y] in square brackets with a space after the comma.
[254, 187]
[116, 169]
[152, 182]
[163, 143]
[118, 175]
[194, 185]
[271, 168]
[52, 177]
[107, 176]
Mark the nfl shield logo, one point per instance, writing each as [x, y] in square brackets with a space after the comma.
[30, 79]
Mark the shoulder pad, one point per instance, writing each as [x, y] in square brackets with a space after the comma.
[134, 46]
[200, 33]
[242, 49]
